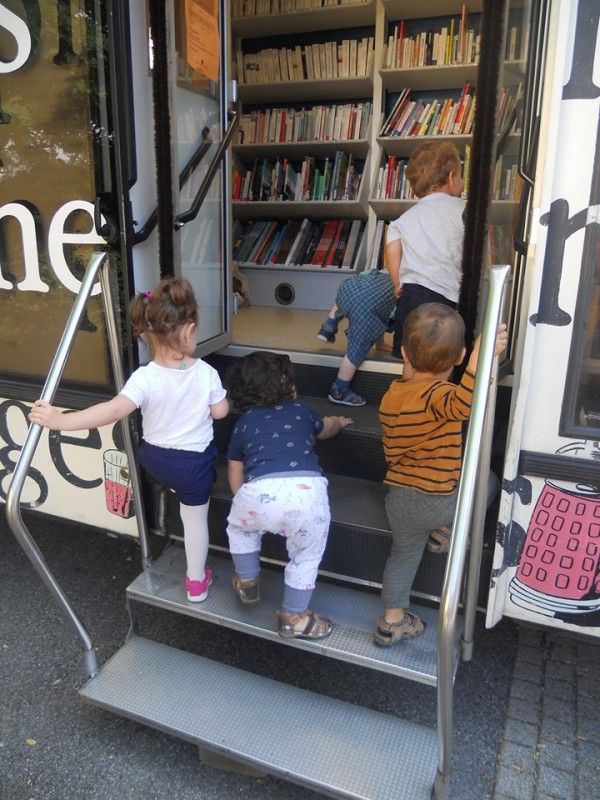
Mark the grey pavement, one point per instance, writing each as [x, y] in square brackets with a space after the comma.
[551, 743]
[55, 747]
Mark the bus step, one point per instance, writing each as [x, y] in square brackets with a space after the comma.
[353, 611]
[327, 745]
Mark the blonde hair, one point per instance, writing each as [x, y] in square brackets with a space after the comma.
[433, 337]
[161, 313]
[430, 165]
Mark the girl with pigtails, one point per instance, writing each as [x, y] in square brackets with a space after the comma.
[179, 396]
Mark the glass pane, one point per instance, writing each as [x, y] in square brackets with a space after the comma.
[46, 192]
[198, 112]
[584, 369]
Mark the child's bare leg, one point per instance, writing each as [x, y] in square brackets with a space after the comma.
[340, 391]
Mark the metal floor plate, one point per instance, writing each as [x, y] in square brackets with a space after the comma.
[327, 745]
[353, 612]
[353, 501]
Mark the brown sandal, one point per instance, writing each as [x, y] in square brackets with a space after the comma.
[387, 633]
[303, 626]
[439, 540]
[248, 591]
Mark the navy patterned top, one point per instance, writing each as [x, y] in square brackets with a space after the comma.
[276, 440]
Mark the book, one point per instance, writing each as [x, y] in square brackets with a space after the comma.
[328, 260]
[340, 247]
[315, 237]
[352, 244]
[291, 256]
[287, 240]
[322, 249]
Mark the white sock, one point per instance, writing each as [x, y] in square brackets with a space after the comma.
[195, 539]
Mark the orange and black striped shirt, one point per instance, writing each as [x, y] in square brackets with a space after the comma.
[422, 442]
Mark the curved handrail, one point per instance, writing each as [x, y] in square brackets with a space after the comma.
[13, 497]
[460, 529]
[96, 263]
[192, 212]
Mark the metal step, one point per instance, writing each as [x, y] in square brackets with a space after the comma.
[353, 612]
[330, 746]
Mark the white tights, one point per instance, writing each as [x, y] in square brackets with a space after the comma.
[195, 539]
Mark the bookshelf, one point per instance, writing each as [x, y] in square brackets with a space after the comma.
[381, 85]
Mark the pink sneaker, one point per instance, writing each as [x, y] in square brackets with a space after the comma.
[198, 590]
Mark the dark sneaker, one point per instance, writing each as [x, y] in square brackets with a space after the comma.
[347, 398]
[328, 330]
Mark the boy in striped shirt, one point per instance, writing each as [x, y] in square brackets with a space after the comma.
[421, 415]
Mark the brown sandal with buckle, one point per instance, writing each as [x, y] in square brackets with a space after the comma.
[303, 626]
[387, 633]
[439, 540]
[248, 591]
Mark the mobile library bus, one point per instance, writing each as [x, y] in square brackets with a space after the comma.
[120, 130]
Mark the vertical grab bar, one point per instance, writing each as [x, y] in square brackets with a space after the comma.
[134, 474]
[13, 498]
[460, 531]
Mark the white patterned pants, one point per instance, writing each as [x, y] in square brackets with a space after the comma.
[296, 508]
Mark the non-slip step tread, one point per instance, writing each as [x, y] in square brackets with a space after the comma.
[353, 501]
[328, 745]
[353, 612]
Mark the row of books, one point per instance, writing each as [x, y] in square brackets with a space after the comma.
[507, 181]
[312, 179]
[435, 117]
[332, 243]
[349, 59]
[376, 258]
[499, 247]
[451, 44]
[392, 183]
[510, 110]
[322, 123]
[252, 8]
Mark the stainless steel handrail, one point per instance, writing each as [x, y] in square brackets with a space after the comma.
[13, 498]
[460, 531]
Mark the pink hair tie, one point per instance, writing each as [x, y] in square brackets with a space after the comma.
[148, 295]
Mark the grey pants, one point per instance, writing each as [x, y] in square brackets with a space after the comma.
[412, 516]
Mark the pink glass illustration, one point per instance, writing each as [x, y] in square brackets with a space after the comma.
[117, 484]
[559, 568]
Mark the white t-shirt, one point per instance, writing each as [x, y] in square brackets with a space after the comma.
[431, 233]
[175, 404]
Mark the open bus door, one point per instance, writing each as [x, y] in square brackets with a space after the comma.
[109, 136]
[546, 568]
[183, 125]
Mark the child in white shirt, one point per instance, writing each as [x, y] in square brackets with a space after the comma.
[424, 246]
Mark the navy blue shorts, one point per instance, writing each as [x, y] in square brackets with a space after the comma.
[191, 475]
[413, 295]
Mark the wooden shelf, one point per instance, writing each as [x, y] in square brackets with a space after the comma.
[298, 150]
[502, 212]
[289, 209]
[409, 9]
[316, 19]
[303, 268]
[404, 145]
[453, 76]
[390, 209]
[290, 92]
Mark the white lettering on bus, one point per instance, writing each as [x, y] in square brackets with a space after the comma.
[19, 30]
[57, 238]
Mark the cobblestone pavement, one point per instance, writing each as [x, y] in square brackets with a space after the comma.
[551, 743]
